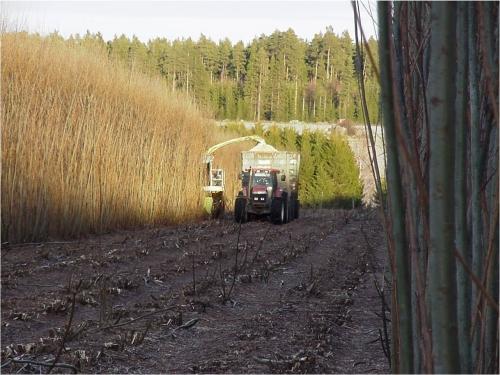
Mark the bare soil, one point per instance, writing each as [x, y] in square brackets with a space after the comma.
[301, 299]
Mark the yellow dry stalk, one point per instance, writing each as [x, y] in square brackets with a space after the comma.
[88, 145]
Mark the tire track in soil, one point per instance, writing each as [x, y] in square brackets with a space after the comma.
[308, 308]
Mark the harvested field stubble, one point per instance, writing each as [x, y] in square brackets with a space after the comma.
[302, 298]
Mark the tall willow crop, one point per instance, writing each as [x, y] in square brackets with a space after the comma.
[439, 100]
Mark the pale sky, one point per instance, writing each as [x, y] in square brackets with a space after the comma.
[236, 20]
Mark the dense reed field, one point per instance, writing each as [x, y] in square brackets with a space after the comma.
[89, 146]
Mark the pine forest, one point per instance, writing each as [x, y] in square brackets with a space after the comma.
[277, 77]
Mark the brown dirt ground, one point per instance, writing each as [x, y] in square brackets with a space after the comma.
[303, 299]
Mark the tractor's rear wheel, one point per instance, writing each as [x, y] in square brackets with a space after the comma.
[278, 213]
[287, 218]
[240, 210]
[296, 206]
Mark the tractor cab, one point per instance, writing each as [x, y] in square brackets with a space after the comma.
[260, 185]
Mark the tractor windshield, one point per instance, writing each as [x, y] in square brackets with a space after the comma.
[262, 180]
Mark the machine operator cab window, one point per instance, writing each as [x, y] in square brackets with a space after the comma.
[263, 180]
[217, 177]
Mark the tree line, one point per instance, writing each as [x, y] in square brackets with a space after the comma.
[278, 77]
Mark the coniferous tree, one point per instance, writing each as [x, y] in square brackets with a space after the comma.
[306, 187]
[279, 77]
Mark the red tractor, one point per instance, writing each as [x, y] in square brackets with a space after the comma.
[269, 185]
